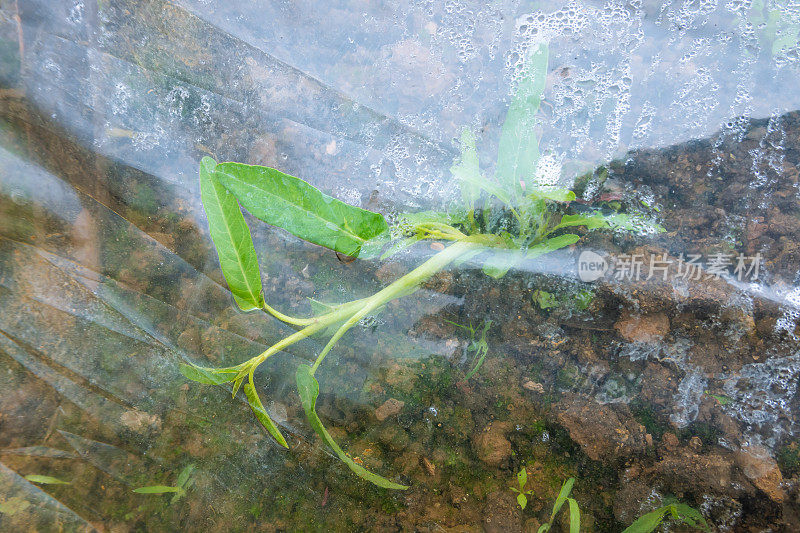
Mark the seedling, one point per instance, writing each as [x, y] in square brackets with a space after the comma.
[183, 482]
[522, 494]
[677, 511]
[574, 510]
[477, 344]
[500, 223]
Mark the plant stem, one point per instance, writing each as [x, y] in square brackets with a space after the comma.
[401, 287]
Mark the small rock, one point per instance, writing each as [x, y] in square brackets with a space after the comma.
[390, 407]
[645, 328]
[759, 467]
[695, 443]
[492, 446]
[429, 467]
[670, 441]
[534, 386]
[604, 433]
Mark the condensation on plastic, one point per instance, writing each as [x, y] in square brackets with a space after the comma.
[108, 107]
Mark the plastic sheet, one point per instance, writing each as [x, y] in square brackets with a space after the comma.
[108, 279]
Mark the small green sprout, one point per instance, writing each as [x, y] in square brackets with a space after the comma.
[721, 398]
[183, 482]
[574, 510]
[477, 344]
[522, 494]
[677, 511]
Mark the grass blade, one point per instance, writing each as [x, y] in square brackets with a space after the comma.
[232, 239]
[308, 387]
[301, 209]
[157, 489]
[46, 480]
[566, 488]
[574, 516]
[261, 414]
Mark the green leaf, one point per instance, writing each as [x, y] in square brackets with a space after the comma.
[261, 414]
[467, 171]
[591, 221]
[47, 480]
[208, 376]
[550, 193]
[500, 262]
[522, 477]
[551, 245]
[574, 516]
[183, 477]
[691, 516]
[157, 489]
[231, 236]
[522, 500]
[566, 488]
[518, 151]
[648, 522]
[308, 388]
[301, 209]
[544, 528]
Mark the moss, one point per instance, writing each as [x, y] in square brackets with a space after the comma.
[788, 458]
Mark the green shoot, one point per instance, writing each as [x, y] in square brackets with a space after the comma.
[574, 510]
[182, 483]
[677, 511]
[522, 494]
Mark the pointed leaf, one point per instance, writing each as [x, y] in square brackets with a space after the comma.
[522, 500]
[557, 195]
[157, 489]
[518, 151]
[308, 388]
[691, 516]
[647, 523]
[208, 376]
[231, 236]
[551, 245]
[591, 221]
[261, 414]
[183, 477]
[299, 208]
[522, 477]
[574, 516]
[47, 480]
[566, 488]
[467, 170]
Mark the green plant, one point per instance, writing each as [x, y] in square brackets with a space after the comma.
[574, 510]
[183, 482]
[477, 344]
[500, 223]
[522, 494]
[678, 511]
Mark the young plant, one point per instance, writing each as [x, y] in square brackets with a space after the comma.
[522, 494]
[183, 482]
[477, 344]
[574, 510]
[501, 222]
[677, 511]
